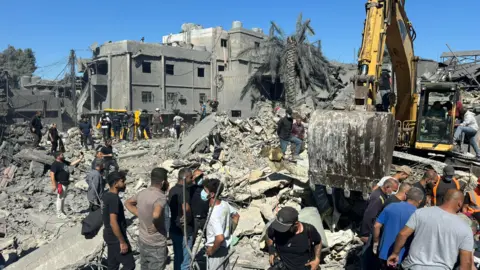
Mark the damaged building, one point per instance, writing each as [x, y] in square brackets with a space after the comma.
[188, 68]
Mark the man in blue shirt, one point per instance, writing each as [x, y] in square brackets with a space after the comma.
[392, 219]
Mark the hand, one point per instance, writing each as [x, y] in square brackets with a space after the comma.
[209, 251]
[123, 248]
[392, 260]
[271, 259]
[33, 129]
[54, 188]
[364, 239]
[314, 264]
[375, 248]
[182, 221]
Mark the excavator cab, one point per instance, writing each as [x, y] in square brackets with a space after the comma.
[436, 116]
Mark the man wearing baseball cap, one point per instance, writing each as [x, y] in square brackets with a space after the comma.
[446, 182]
[292, 244]
[403, 172]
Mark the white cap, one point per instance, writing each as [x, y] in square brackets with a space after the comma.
[107, 114]
[157, 109]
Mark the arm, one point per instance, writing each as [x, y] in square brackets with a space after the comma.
[376, 232]
[116, 228]
[466, 260]
[77, 161]
[216, 244]
[369, 219]
[401, 239]
[131, 205]
[52, 178]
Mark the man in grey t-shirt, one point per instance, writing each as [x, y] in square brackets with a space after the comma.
[440, 237]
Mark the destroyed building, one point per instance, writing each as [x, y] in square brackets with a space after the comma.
[190, 67]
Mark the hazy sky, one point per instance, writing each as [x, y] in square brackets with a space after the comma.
[53, 27]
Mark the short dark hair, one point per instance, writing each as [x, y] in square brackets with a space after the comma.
[115, 177]
[390, 183]
[213, 185]
[57, 154]
[99, 163]
[183, 173]
[158, 176]
[430, 174]
[415, 194]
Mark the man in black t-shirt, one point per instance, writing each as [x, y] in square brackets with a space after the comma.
[60, 179]
[199, 207]
[179, 216]
[426, 185]
[297, 244]
[115, 224]
[110, 161]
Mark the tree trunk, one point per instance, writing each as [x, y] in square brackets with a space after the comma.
[290, 85]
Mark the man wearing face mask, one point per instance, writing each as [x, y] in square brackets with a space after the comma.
[96, 186]
[149, 206]
[472, 202]
[426, 184]
[375, 205]
[298, 245]
[439, 237]
[219, 226]
[199, 206]
[448, 181]
[284, 132]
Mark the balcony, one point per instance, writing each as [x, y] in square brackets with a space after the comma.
[99, 79]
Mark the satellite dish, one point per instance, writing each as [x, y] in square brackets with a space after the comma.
[94, 46]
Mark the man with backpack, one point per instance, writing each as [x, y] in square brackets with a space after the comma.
[292, 244]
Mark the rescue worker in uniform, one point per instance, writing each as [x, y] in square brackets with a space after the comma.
[116, 125]
[125, 127]
[157, 122]
[144, 124]
[105, 125]
[446, 182]
[471, 205]
[86, 132]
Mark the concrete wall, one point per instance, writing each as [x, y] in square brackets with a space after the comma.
[149, 83]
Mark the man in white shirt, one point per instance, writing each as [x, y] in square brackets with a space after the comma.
[177, 124]
[219, 228]
[403, 172]
[469, 127]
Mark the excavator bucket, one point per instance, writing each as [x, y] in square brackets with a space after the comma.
[350, 150]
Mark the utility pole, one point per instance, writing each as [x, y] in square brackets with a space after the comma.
[73, 90]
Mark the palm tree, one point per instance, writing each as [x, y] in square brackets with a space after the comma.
[299, 64]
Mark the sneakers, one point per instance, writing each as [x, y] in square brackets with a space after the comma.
[61, 216]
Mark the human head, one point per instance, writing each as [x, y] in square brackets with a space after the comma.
[107, 114]
[453, 200]
[448, 173]
[390, 186]
[289, 113]
[185, 176]
[286, 220]
[298, 118]
[98, 152]
[38, 113]
[403, 190]
[54, 125]
[116, 181]
[437, 105]
[159, 178]
[144, 111]
[157, 109]
[197, 177]
[99, 165]
[210, 189]
[403, 172]
[108, 142]
[415, 196]
[59, 156]
[462, 111]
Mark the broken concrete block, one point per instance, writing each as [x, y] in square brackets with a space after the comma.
[36, 169]
[132, 154]
[82, 185]
[44, 221]
[257, 129]
[251, 222]
[168, 165]
[29, 154]
[255, 175]
[258, 189]
[69, 251]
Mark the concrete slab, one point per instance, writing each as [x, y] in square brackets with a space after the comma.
[67, 252]
[198, 133]
[251, 222]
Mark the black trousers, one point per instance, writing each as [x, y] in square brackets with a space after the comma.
[178, 129]
[54, 146]
[38, 137]
[115, 258]
[198, 224]
[86, 140]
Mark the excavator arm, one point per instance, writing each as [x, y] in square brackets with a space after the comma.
[352, 150]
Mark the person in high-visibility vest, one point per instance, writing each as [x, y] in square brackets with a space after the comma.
[471, 204]
[446, 182]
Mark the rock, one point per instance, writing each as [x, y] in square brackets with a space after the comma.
[82, 185]
[259, 188]
[36, 169]
[251, 222]
[168, 165]
[140, 183]
[255, 175]
[257, 129]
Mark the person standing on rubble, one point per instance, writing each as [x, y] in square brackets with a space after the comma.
[145, 125]
[157, 122]
[375, 205]
[469, 127]
[200, 211]
[116, 125]
[105, 125]
[446, 182]
[214, 105]
[181, 214]
[36, 128]
[426, 184]
[108, 157]
[149, 206]
[96, 186]
[115, 225]
[131, 126]
[403, 172]
[86, 132]
[439, 237]
[298, 129]
[53, 138]
[284, 132]
[400, 196]
[392, 219]
[177, 123]
[293, 245]
[203, 110]
[60, 179]
[219, 227]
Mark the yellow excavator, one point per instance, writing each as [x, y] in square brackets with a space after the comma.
[351, 150]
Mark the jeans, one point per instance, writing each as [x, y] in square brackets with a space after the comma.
[61, 199]
[469, 132]
[86, 140]
[143, 130]
[116, 131]
[181, 259]
[294, 140]
[152, 258]
[115, 258]
[178, 130]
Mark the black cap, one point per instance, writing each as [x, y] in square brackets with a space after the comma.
[449, 171]
[289, 111]
[285, 219]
